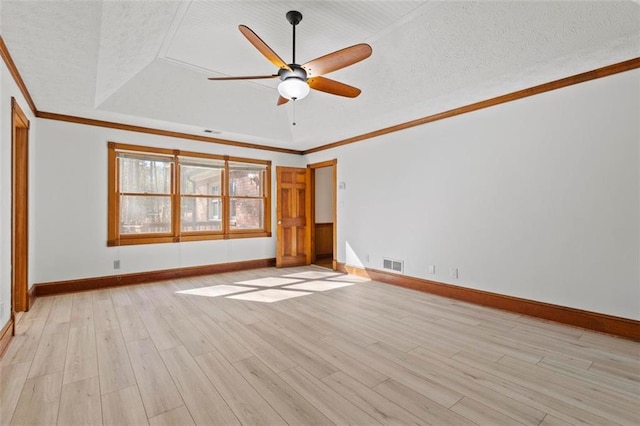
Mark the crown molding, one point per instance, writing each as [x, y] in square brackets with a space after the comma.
[8, 60]
[509, 97]
[159, 132]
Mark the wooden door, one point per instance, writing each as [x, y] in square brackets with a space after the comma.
[19, 211]
[292, 212]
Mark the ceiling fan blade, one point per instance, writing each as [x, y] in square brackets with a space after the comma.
[282, 101]
[246, 77]
[263, 47]
[324, 84]
[338, 59]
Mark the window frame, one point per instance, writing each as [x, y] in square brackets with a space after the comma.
[114, 236]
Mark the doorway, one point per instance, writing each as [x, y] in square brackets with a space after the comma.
[19, 209]
[323, 213]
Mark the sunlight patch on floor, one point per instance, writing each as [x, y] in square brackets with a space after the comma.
[269, 296]
[216, 290]
[318, 285]
[350, 278]
[275, 289]
[269, 282]
[313, 275]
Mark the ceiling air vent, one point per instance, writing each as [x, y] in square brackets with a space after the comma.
[393, 265]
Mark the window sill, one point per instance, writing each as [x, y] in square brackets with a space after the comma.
[128, 241]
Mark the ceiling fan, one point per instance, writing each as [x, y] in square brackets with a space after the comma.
[296, 80]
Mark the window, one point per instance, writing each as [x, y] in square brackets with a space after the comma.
[160, 195]
[246, 189]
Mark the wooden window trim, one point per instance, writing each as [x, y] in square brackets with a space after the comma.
[176, 234]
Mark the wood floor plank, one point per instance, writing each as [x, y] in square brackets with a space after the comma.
[52, 350]
[123, 408]
[139, 297]
[120, 297]
[178, 416]
[593, 377]
[81, 309]
[290, 405]
[114, 368]
[80, 403]
[618, 369]
[81, 360]
[331, 324]
[352, 365]
[429, 411]
[247, 404]
[469, 340]
[594, 399]
[61, 308]
[195, 342]
[159, 393]
[606, 343]
[25, 343]
[306, 359]
[204, 305]
[131, 325]
[41, 308]
[104, 313]
[12, 380]
[267, 353]
[39, 401]
[401, 374]
[201, 398]
[481, 414]
[479, 385]
[550, 420]
[222, 341]
[329, 402]
[530, 393]
[369, 401]
[159, 330]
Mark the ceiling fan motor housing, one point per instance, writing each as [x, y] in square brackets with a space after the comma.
[296, 72]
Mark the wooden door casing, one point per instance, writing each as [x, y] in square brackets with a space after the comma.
[293, 245]
[19, 209]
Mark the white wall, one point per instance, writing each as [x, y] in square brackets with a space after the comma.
[71, 207]
[9, 89]
[324, 195]
[538, 198]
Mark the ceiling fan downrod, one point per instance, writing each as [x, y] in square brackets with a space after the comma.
[294, 17]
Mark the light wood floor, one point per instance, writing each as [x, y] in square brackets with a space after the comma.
[363, 354]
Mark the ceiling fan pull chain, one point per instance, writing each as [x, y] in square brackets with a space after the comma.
[294, 111]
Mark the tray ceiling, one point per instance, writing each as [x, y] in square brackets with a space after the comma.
[147, 62]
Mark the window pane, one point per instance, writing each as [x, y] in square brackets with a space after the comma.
[145, 214]
[200, 176]
[245, 180]
[145, 174]
[247, 213]
[201, 214]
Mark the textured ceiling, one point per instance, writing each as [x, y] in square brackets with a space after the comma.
[147, 62]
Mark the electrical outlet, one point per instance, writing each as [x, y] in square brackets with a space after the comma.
[453, 272]
[1, 309]
[116, 264]
[431, 269]
[367, 258]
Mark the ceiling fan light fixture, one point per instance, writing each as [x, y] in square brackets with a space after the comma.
[293, 88]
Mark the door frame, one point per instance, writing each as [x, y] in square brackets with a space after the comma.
[312, 210]
[19, 209]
